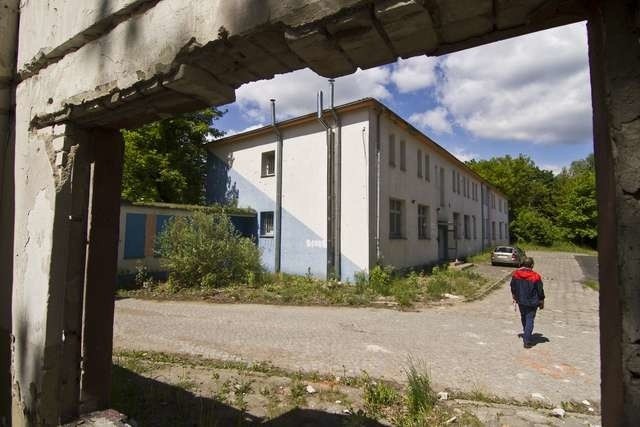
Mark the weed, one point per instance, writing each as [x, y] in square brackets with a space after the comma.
[420, 395]
[298, 392]
[591, 284]
[378, 396]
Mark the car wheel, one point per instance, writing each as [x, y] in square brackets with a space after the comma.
[493, 263]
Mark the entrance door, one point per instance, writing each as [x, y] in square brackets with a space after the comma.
[442, 242]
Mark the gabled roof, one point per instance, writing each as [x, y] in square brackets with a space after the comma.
[354, 106]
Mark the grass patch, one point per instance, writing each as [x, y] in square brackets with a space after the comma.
[558, 247]
[481, 258]
[591, 284]
[381, 285]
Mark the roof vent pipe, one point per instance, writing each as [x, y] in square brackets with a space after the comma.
[278, 216]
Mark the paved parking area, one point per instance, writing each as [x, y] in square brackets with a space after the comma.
[470, 346]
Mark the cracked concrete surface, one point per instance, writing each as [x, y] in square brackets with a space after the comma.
[469, 347]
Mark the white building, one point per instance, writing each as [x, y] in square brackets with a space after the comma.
[390, 193]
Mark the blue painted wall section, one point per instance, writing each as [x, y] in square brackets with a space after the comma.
[134, 237]
[303, 250]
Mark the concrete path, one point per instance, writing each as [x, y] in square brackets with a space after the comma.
[470, 346]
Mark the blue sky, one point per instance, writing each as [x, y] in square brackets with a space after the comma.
[526, 95]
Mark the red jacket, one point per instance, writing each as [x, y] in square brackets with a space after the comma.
[526, 287]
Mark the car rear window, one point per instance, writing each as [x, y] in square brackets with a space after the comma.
[504, 249]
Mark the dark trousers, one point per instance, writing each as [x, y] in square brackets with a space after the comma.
[527, 315]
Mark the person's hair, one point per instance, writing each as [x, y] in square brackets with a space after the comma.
[528, 262]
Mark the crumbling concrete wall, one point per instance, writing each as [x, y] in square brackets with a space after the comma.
[8, 53]
[614, 51]
[98, 64]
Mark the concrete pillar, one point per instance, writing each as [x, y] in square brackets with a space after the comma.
[102, 260]
[51, 180]
[8, 52]
[614, 54]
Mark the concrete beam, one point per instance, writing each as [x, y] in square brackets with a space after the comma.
[102, 260]
[9, 14]
[614, 55]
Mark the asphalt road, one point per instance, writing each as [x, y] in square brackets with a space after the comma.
[472, 346]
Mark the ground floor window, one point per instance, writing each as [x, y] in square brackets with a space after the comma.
[467, 227]
[266, 224]
[456, 226]
[475, 230]
[396, 218]
[424, 222]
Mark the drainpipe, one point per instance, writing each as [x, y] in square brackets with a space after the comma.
[337, 187]
[482, 221]
[330, 230]
[378, 250]
[278, 216]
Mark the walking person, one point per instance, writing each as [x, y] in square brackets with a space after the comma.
[528, 292]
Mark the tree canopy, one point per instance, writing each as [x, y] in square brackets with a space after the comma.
[165, 161]
[544, 208]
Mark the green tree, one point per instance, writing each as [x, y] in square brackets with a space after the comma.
[523, 183]
[531, 226]
[577, 210]
[165, 161]
[205, 251]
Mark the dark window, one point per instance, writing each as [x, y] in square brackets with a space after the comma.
[419, 158]
[269, 163]
[396, 214]
[456, 226]
[266, 224]
[427, 167]
[403, 155]
[475, 231]
[392, 150]
[424, 222]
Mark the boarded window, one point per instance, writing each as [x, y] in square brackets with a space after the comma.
[134, 235]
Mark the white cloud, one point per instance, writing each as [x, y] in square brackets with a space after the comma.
[230, 132]
[435, 120]
[295, 93]
[414, 73]
[532, 88]
[463, 154]
[555, 169]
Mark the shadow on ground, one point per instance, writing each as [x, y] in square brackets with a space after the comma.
[151, 402]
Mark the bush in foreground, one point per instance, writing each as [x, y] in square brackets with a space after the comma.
[205, 251]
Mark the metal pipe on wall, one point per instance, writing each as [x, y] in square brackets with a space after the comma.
[337, 186]
[330, 194]
[278, 213]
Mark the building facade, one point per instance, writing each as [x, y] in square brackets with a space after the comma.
[357, 187]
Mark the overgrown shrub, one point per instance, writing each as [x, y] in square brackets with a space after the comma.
[205, 251]
[532, 226]
[420, 396]
[380, 279]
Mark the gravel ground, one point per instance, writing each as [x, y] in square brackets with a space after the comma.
[469, 347]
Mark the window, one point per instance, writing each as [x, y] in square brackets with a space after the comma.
[475, 230]
[493, 230]
[396, 214]
[501, 230]
[456, 226]
[441, 186]
[392, 150]
[403, 155]
[419, 158]
[499, 205]
[266, 224]
[467, 227]
[135, 235]
[464, 186]
[453, 180]
[427, 167]
[424, 222]
[269, 163]
[493, 200]
[458, 182]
